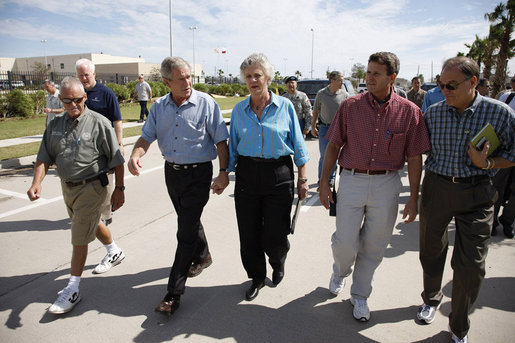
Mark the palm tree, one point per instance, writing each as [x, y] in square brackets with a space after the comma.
[491, 45]
[503, 17]
[298, 74]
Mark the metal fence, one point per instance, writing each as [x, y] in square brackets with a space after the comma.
[30, 80]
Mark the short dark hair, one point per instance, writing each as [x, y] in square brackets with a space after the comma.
[415, 78]
[388, 59]
[482, 82]
[466, 65]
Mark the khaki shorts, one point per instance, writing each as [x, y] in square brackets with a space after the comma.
[84, 204]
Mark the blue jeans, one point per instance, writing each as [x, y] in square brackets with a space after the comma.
[322, 145]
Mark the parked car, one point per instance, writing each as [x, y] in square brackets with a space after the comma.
[311, 88]
[362, 87]
[428, 85]
[4, 84]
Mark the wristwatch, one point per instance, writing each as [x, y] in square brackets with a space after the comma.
[122, 188]
[223, 169]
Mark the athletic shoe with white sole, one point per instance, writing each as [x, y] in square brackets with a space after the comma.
[361, 311]
[336, 284]
[427, 313]
[109, 261]
[66, 301]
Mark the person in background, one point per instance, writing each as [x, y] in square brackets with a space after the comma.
[458, 185]
[433, 96]
[191, 132]
[264, 132]
[416, 94]
[483, 87]
[301, 103]
[327, 101]
[102, 99]
[79, 132]
[53, 104]
[143, 92]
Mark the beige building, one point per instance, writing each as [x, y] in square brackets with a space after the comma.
[119, 69]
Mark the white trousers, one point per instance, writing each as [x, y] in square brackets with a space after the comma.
[366, 212]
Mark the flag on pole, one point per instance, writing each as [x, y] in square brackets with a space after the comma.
[224, 50]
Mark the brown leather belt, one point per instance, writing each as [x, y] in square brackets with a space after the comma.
[368, 171]
[83, 182]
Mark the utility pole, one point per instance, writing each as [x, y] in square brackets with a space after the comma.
[171, 49]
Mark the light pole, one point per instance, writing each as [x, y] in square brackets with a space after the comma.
[44, 49]
[171, 50]
[312, 47]
[193, 28]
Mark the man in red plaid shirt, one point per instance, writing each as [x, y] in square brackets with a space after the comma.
[374, 134]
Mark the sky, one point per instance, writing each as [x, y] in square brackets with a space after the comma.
[293, 34]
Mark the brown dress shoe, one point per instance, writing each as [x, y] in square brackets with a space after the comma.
[196, 269]
[169, 306]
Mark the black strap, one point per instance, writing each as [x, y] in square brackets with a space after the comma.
[508, 99]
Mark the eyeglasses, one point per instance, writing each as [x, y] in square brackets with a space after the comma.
[75, 100]
[451, 85]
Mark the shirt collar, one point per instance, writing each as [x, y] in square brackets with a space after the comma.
[193, 99]
[274, 99]
[469, 111]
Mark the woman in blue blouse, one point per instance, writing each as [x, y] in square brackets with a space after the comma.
[264, 133]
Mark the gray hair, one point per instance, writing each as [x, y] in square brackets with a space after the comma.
[87, 62]
[70, 81]
[464, 64]
[334, 75]
[172, 62]
[261, 60]
[50, 82]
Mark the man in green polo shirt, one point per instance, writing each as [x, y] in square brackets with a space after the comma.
[83, 145]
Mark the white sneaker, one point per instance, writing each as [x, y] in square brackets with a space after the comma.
[109, 261]
[66, 301]
[361, 311]
[455, 339]
[336, 284]
[427, 313]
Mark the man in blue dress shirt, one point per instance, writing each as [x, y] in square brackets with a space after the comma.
[190, 131]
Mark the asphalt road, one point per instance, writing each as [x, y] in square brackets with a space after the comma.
[118, 306]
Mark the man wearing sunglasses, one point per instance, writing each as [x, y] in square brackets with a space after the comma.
[457, 184]
[83, 146]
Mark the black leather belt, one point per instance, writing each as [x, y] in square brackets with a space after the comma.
[83, 182]
[176, 166]
[368, 171]
[265, 160]
[470, 179]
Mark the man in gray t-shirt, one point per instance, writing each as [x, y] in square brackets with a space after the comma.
[327, 102]
[53, 104]
[144, 93]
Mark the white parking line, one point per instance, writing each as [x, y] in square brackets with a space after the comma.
[308, 203]
[43, 201]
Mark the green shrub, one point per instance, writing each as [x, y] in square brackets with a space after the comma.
[121, 92]
[223, 89]
[131, 86]
[19, 104]
[201, 87]
[277, 88]
[39, 99]
[158, 88]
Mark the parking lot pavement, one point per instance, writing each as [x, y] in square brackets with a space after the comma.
[119, 306]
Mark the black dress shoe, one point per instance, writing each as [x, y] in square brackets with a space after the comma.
[277, 277]
[253, 291]
[508, 230]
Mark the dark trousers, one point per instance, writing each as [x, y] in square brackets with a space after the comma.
[263, 197]
[471, 206]
[144, 110]
[504, 182]
[189, 191]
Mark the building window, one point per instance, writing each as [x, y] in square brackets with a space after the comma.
[62, 65]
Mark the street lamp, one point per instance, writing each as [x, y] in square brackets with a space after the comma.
[44, 48]
[312, 47]
[193, 28]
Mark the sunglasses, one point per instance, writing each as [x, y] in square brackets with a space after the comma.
[75, 100]
[451, 85]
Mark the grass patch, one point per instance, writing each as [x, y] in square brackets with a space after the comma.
[228, 103]
[19, 127]
[20, 150]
